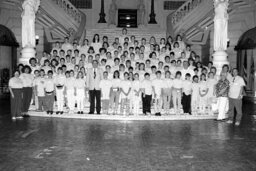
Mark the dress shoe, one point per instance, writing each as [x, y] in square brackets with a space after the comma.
[229, 122]
[57, 112]
[158, 114]
[81, 112]
[61, 112]
[91, 113]
[78, 112]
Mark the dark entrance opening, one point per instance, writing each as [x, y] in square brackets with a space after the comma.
[127, 18]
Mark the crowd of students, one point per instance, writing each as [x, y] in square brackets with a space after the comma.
[166, 76]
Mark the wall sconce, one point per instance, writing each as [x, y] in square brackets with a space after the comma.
[228, 43]
[37, 39]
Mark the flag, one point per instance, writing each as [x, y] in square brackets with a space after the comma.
[245, 74]
[252, 74]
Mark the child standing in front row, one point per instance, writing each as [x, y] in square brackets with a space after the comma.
[186, 96]
[147, 91]
[195, 95]
[80, 92]
[40, 90]
[135, 94]
[176, 92]
[125, 89]
[167, 92]
[115, 92]
[158, 91]
[203, 92]
[37, 76]
[105, 86]
[49, 93]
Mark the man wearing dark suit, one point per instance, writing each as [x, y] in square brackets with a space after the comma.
[94, 75]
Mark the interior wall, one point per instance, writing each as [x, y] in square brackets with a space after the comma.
[5, 57]
[206, 52]
[92, 15]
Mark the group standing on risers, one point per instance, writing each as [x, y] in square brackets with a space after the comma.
[123, 77]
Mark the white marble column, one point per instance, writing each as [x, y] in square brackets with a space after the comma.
[30, 8]
[220, 56]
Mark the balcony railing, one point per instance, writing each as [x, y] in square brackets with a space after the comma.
[185, 9]
[70, 9]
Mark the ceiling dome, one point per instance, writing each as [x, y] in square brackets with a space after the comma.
[7, 38]
[247, 40]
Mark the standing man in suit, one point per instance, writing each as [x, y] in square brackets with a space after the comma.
[94, 75]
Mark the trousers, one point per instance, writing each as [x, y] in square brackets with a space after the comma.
[222, 103]
[16, 102]
[80, 99]
[95, 95]
[60, 98]
[71, 99]
[27, 97]
[235, 104]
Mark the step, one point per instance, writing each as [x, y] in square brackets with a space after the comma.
[115, 32]
[125, 118]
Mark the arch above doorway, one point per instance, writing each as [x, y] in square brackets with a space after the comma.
[7, 37]
[247, 40]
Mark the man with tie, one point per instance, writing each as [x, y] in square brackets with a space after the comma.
[94, 75]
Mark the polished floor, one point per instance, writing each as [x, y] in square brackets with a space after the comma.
[60, 144]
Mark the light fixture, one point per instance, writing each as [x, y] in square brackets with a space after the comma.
[37, 39]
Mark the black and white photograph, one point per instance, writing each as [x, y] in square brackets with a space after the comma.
[128, 85]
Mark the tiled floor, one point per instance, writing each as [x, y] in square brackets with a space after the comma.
[60, 144]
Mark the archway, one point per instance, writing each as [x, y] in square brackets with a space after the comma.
[8, 57]
[246, 59]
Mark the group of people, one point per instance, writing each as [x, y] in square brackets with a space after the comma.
[122, 77]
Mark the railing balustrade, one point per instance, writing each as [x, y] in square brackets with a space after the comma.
[70, 9]
[185, 9]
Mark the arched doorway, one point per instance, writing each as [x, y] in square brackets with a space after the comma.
[8, 57]
[246, 60]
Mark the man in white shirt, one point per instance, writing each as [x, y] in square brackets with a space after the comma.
[94, 76]
[235, 97]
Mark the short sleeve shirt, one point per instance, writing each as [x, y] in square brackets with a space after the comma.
[235, 87]
[15, 83]
[105, 86]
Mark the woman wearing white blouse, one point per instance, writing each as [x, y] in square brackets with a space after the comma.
[27, 79]
[15, 87]
[80, 92]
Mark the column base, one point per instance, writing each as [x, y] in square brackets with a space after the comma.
[220, 58]
[26, 54]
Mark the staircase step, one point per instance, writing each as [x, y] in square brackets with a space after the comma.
[139, 33]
